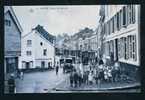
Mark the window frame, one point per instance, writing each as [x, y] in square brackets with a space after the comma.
[7, 22]
[28, 53]
[44, 52]
[29, 43]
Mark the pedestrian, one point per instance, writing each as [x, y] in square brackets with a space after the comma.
[18, 74]
[79, 79]
[110, 74]
[117, 68]
[90, 78]
[71, 79]
[75, 78]
[21, 75]
[11, 84]
[57, 69]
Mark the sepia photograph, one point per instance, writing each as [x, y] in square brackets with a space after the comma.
[72, 49]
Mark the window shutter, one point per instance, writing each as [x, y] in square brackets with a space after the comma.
[113, 24]
[124, 16]
[118, 21]
[133, 14]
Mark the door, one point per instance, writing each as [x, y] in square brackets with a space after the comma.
[27, 65]
[42, 64]
[49, 65]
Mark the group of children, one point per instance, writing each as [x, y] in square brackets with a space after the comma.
[96, 74]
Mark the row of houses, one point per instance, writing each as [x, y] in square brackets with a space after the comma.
[81, 46]
[117, 35]
[120, 35]
[34, 50]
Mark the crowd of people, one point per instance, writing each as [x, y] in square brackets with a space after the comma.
[97, 73]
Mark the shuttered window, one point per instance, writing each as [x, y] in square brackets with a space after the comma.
[124, 16]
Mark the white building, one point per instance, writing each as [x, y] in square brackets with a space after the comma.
[37, 49]
[122, 33]
[121, 29]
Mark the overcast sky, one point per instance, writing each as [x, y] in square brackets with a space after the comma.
[57, 19]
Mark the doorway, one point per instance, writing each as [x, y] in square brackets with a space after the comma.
[27, 65]
[42, 64]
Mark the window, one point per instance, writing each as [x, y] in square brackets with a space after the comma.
[105, 29]
[121, 18]
[129, 14]
[121, 48]
[125, 48]
[134, 47]
[45, 52]
[130, 47]
[118, 21]
[113, 24]
[29, 42]
[7, 22]
[133, 14]
[109, 27]
[28, 53]
[124, 17]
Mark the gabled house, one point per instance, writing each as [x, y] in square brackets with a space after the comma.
[12, 41]
[38, 50]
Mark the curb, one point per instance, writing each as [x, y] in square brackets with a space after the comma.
[101, 89]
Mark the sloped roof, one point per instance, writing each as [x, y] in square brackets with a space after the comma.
[10, 10]
[44, 33]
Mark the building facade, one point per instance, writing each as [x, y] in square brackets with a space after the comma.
[12, 41]
[38, 50]
[121, 29]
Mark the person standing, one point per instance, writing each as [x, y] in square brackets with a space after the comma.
[21, 75]
[11, 84]
[71, 78]
[57, 69]
[90, 78]
[75, 78]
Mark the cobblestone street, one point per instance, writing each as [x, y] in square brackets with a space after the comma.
[39, 82]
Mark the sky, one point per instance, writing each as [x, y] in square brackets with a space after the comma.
[58, 19]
